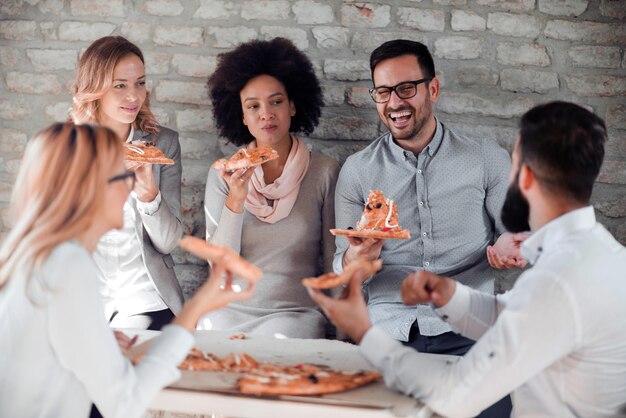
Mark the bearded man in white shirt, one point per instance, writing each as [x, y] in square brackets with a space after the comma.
[558, 338]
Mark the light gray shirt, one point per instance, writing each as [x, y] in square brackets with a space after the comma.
[449, 197]
[293, 248]
[557, 339]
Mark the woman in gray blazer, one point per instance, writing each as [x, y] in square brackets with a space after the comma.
[138, 283]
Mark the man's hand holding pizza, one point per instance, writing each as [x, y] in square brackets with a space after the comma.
[349, 313]
[367, 248]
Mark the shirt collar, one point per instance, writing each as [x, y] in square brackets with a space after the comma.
[131, 134]
[431, 148]
[549, 235]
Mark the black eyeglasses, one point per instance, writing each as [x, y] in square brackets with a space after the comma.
[404, 90]
[128, 177]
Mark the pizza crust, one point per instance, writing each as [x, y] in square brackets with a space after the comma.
[145, 153]
[331, 280]
[220, 254]
[294, 382]
[372, 233]
[246, 158]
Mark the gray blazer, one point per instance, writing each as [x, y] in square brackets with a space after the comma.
[159, 233]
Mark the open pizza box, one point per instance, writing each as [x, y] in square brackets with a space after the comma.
[334, 354]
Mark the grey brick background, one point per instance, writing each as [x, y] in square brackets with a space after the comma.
[495, 58]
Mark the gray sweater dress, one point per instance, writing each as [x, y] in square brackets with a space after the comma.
[293, 248]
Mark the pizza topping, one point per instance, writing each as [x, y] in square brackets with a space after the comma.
[389, 214]
[246, 158]
[135, 149]
[379, 220]
[313, 378]
[145, 152]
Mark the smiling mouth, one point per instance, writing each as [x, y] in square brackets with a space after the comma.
[130, 109]
[400, 116]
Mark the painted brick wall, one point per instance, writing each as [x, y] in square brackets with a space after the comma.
[496, 59]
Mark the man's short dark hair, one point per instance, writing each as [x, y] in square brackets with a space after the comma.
[563, 144]
[400, 47]
[278, 58]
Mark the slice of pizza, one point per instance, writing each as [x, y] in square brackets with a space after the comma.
[246, 158]
[379, 220]
[221, 254]
[145, 153]
[301, 380]
[200, 361]
[330, 280]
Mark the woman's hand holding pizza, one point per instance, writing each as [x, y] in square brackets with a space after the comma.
[367, 248]
[214, 294]
[426, 287]
[349, 313]
[237, 182]
[145, 185]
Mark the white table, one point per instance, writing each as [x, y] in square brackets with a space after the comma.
[215, 393]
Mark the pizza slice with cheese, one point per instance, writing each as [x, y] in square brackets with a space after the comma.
[246, 158]
[145, 152]
[331, 280]
[379, 220]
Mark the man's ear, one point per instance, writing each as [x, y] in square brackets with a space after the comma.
[526, 177]
[433, 89]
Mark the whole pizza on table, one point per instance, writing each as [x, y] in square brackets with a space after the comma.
[145, 152]
[379, 220]
[246, 158]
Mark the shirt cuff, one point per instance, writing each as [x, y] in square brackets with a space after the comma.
[149, 208]
[172, 346]
[376, 345]
[457, 307]
[338, 263]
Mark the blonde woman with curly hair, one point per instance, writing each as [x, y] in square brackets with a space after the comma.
[138, 282]
[58, 351]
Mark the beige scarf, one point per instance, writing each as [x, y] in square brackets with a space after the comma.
[284, 190]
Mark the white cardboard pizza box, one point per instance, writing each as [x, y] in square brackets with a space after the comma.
[334, 354]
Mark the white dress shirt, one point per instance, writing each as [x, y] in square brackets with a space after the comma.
[125, 284]
[557, 339]
[58, 354]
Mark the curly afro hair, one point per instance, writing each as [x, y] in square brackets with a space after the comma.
[278, 58]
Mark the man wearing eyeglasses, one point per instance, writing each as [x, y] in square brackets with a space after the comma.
[449, 191]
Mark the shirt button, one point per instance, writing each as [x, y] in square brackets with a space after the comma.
[419, 171]
[421, 203]
[426, 263]
[445, 317]
[424, 234]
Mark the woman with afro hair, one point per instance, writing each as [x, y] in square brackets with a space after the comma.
[276, 215]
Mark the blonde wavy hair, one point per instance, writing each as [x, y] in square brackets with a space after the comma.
[58, 191]
[95, 76]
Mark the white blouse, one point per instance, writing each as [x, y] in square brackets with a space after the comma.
[58, 354]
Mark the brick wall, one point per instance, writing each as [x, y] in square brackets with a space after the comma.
[496, 59]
